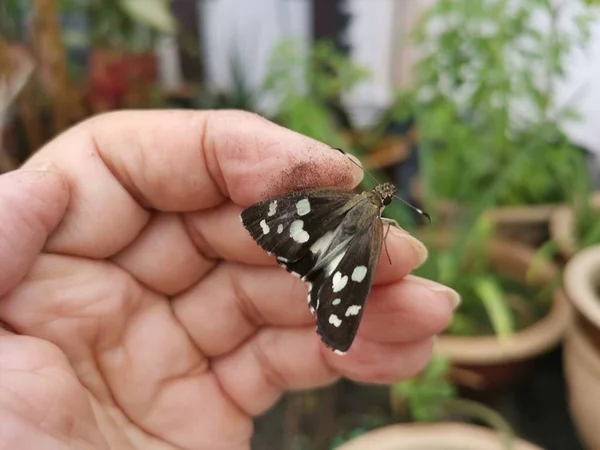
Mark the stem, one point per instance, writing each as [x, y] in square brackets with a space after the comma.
[485, 414]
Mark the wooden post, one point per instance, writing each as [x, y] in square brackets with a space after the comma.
[51, 55]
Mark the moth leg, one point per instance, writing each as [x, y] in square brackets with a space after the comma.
[383, 221]
[391, 222]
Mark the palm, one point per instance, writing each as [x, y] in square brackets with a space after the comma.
[172, 329]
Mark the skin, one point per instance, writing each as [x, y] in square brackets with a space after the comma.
[138, 312]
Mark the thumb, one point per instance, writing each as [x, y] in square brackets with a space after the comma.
[33, 201]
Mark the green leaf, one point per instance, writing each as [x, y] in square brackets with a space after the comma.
[153, 13]
[495, 303]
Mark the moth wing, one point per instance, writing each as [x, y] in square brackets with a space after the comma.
[287, 226]
[339, 295]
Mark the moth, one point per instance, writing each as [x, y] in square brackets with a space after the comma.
[331, 238]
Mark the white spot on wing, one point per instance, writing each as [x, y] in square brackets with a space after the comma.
[303, 207]
[353, 310]
[279, 228]
[264, 226]
[297, 233]
[339, 352]
[322, 243]
[335, 320]
[359, 273]
[336, 302]
[339, 282]
[272, 208]
[282, 259]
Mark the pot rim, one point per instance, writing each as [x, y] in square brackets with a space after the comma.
[580, 280]
[434, 436]
[539, 337]
[561, 227]
[532, 341]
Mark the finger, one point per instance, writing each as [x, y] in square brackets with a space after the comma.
[146, 257]
[119, 164]
[240, 300]
[413, 309]
[278, 359]
[32, 203]
[217, 233]
[35, 378]
[128, 350]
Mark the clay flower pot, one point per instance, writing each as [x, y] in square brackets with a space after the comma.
[526, 224]
[440, 436]
[484, 362]
[563, 228]
[582, 343]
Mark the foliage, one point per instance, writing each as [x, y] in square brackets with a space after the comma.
[241, 95]
[425, 394]
[123, 24]
[307, 86]
[431, 396]
[586, 214]
[485, 90]
[489, 134]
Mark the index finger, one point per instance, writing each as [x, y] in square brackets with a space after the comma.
[120, 165]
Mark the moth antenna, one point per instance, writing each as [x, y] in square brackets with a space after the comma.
[414, 208]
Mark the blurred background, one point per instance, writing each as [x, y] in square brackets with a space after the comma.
[486, 113]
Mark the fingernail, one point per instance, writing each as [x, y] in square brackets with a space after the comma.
[452, 296]
[354, 158]
[418, 247]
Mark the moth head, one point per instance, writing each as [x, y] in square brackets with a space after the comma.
[386, 192]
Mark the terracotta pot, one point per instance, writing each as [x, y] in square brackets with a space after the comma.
[527, 224]
[484, 362]
[582, 343]
[440, 436]
[562, 228]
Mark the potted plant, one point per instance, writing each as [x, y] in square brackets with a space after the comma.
[485, 92]
[512, 310]
[582, 343]
[431, 402]
[576, 225]
[122, 66]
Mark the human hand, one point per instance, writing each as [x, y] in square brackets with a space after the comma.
[143, 315]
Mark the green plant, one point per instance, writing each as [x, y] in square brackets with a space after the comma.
[432, 397]
[306, 86]
[124, 24]
[424, 395]
[486, 91]
[483, 63]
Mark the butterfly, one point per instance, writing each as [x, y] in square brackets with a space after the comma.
[331, 238]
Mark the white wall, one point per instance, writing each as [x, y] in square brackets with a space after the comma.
[251, 28]
[369, 35]
[582, 89]
[376, 35]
